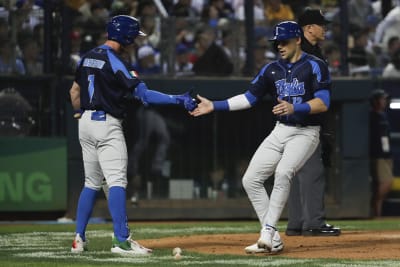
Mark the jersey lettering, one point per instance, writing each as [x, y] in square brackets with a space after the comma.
[294, 88]
[91, 86]
[93, 63]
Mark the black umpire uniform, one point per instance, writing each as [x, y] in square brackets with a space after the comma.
[306, 211]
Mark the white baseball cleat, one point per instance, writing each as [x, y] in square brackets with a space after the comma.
[277, 246]
[129, 247]
[270, 239]
[253, 249]
[78, 245]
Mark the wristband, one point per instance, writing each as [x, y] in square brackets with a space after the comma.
[221, 105]
[303, 108]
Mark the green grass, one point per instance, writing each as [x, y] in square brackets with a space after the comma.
[48, 245]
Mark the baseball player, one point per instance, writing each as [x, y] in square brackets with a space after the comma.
[102, 89]
[300, 87]
[306, 211]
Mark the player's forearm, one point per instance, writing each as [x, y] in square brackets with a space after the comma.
[317, 106]
[238, 102]
[75, 93]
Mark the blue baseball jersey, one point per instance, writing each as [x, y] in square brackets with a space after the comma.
[106, 81]
[296, 83]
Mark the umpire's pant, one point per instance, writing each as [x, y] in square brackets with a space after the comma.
[306, 199]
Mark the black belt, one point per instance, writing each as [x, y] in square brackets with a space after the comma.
[297, 124]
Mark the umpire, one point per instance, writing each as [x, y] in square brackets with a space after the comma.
[306, 209]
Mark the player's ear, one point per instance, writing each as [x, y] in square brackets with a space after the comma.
[298, 41]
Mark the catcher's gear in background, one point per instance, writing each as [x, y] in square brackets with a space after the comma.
[124, 29]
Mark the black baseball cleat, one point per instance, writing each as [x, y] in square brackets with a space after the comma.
[293, 232]
[325, 230]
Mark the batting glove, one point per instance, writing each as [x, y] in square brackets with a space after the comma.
[186, 101]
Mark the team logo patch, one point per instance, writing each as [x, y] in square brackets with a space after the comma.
[294, 88]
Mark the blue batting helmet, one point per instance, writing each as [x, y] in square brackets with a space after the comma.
[286, 30]
[123, 29]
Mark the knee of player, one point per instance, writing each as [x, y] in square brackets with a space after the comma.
[121, 182]
[250, 182]
[94, 186]
[284, 174]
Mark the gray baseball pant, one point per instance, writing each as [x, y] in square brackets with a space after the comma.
[282, 153]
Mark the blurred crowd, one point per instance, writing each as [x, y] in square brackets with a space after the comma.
[204, 37]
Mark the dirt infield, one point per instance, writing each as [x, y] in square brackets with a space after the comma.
[349, 245]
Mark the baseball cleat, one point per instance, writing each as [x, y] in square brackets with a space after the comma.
[277, 246]
[129, 247]
[78, 245]
[253, 249]
[270, 239]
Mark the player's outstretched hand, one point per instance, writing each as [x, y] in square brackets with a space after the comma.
[283, 108]
[187, 101]
[205, 106]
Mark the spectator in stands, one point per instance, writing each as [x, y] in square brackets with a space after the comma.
[359, 12]
[262, 53]
[212, 60]
[388, 27]
[87, 8]
[147, 8]
[275, 11]
[99, 16]
[332, 54]
[380, 150]
[361, 60]
[258, 11]
[392, 69]
[146, 63]
[151, 26]
[29, 13]
[216, 10]
[31, 57]
[183, 66]
[9, 64]
[392, 46]
[183, 8]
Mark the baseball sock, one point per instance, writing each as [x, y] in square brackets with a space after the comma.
[85, 208]
[117, 207]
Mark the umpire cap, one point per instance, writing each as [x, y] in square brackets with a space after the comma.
[312, 16]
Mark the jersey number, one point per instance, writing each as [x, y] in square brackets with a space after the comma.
[91, 86]
[297, 100]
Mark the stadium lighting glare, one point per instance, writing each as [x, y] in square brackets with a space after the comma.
[395, 103]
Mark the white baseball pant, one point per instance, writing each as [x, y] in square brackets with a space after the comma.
[104, 151]
[283, 152]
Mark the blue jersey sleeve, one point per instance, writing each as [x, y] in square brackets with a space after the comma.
[260, 85]
[127, 78]
[322, 78]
